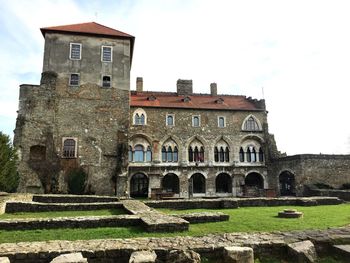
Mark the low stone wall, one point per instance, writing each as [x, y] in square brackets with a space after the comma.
[204, 217]
[341, 194]
[211, 246]
[74, 199]
[15, 207]
[241, 202]
[70, 222]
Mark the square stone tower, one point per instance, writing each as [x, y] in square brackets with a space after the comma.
[77, 119]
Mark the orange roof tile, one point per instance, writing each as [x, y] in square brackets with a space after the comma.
[91, 28]
[197, 101]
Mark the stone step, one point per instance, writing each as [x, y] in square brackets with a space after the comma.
[204, 217]
[16, 207]
[342, 250]
[70, 222]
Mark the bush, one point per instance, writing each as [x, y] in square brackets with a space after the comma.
[345, 186]
[323, 186]
[9, 177]
[77, 181]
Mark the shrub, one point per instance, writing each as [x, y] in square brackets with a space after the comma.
[9, 177]
[323, 186]
[77, 181]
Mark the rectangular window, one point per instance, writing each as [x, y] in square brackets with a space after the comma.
[170, 120]
[74, 79]
[75, 51]
[221, 122]
[196, 121]
[106, 54]
[106, 81]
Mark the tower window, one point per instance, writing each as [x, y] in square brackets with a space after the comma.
[74, 79]
[69, 148]
[170, 120]
[106, 81]
[75, 51]
[221, 122]
[196, 121]
[106, 55]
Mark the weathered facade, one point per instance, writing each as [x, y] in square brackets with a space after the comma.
[84, 116]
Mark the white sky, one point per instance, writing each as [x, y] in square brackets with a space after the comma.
[298, 50]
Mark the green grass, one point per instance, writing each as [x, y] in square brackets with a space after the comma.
[102, 212]
[241, 220]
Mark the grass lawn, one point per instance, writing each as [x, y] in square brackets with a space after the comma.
[102, 212]
[248, 219]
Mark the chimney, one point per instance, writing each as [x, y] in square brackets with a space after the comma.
[139, 84]
[213, 89]
[184, 87]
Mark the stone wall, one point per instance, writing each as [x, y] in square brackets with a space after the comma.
[333, 170]
[311, 190]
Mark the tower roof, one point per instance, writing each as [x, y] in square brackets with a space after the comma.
[90, 28]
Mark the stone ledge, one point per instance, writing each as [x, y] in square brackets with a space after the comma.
[204, 217]
[70, 222]
[74, 199]
[15, 207]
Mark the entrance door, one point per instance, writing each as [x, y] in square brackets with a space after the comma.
[287, 183]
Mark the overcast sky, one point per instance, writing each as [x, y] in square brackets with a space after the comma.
[298, 51]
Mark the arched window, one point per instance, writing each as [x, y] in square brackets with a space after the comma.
[137, 120]
[170, 120]
[216, 154]
[106, 81]
[69, 148]
[170, 183]
[130, 154]
[254, 180]
[197, 183]
[138, 154]
[241, 155]
[223, 183]
[196, 151]
[164, 154]
[190, 154]
[176, 154]
[221, 151]
[253, 152]
[249, 156]
[139, 117]
[139, 185]
[148, 154]
[261, 155]
[227, 155]
[169, 151]
[170, 154]
[251, 124]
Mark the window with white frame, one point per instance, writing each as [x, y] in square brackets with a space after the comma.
[106, 81]
[221, 122]
[196, 121]
[139, 117]
[74, 79]
[75, 51]
[106, 53]
[251, 124]
[170, 120]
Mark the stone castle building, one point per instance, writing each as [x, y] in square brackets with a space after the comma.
[138, 143]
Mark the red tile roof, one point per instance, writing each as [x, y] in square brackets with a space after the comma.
[90, 28]
[197, 101]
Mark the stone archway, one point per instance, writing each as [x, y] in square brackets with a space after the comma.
[287, 183]
[223, 183]
[254, 184]
[170, 183]
[139, 185]
[197, 184]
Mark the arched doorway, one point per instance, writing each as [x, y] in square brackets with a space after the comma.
[287, 183]
[139, 185]
[223, 183]
[197, 184]
[254, 180]
[170, 183]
